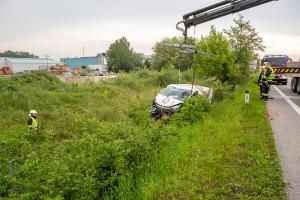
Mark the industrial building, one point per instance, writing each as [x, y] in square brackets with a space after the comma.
[17, 65]
[96, 63]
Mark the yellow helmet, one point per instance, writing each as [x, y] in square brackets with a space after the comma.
[33, 112]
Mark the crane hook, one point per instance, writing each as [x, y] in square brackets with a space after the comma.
[183, 30]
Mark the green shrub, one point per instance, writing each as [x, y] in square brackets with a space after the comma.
[166, 76]
[187, 75]
[127, 80]
[143, 73]
[192, 111]
[221, 92]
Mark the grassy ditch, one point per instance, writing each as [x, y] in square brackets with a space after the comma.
[90, 137]
[97, 141]
[231, 155]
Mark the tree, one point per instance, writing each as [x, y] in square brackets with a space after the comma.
[245, 42]
[164, 56]
[17, 54]
[137, 60]
[221, 63]
[120, 57]
[147, 63]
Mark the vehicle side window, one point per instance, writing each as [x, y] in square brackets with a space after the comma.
[184, 94]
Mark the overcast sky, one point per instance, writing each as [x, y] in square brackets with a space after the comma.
[60, 28]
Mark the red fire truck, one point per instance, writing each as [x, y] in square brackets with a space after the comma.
[283, 68]
[278, 63]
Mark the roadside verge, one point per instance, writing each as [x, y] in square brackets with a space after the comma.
[231, 155]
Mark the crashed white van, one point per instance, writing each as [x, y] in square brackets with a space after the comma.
[171, 98]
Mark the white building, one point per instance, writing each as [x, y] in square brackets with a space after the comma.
[27, 64]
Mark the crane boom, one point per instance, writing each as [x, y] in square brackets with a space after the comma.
[215, 11]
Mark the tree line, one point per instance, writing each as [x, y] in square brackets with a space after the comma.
[17, 54]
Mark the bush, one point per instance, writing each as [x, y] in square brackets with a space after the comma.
[143, 73]
[127, 80]
[187, 75]
[221, 92]
[192, 111]
[166, 76]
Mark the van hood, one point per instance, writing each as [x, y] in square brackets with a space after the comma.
[166, 101]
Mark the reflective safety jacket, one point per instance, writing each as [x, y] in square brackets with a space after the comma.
[259, 81]
[268, 73]
[33, 122]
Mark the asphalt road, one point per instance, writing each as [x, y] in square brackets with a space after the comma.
[284, 114]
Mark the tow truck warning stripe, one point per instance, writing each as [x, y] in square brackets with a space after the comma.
[287, 70]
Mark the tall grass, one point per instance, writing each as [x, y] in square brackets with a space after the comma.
[90, 135]
[231, 155]
[97, 141]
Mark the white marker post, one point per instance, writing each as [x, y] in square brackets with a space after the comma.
[247, 97]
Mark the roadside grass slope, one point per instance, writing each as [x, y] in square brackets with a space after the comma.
[90, 134]
[97, 141]
[231, 155]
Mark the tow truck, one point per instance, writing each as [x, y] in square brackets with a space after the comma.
[215, 11]
[293, 70]
[197, 17]
[226, 7]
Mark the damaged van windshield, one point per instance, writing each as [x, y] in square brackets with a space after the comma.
[176, 93]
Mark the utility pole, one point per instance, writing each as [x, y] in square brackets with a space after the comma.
[82, 51]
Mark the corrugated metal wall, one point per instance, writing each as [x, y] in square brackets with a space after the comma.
[21, 67]
[26, 64]
[3, 62]
[100, 59]
[78, 62]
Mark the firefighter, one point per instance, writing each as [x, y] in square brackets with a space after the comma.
[266, 76]
[260, 83]
[32, 121]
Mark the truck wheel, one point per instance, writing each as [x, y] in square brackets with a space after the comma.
[298, 85]
[284, 82]
[294, 84]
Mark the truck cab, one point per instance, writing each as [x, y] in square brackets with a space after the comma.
[278, 62]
